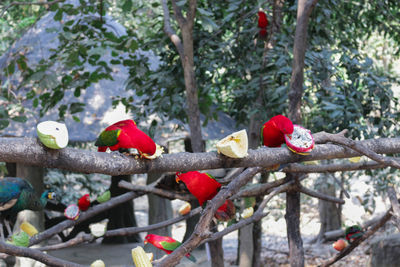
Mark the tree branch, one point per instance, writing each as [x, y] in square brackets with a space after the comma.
[122, 231]
[30, 151]
[366, 165]
[83, 216]
[360, 148]
[319, 195]
[36, 255]
[169, 31]
[156, 191]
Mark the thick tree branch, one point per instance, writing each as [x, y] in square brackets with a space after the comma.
[169, 31]
[36, 255]
[358, 241]
[156, 191]
[30, 151]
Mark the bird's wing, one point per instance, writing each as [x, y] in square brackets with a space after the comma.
[170, 245]
[9, 193]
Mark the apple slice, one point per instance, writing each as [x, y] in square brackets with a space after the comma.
[185, 208]
[234, 145]
[52, 134]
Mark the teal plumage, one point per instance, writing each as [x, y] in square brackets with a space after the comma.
[17, 194]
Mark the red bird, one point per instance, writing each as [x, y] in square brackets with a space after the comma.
[273, 131]
[165, 243]
[84, 202]
[262, 24]
[204, 187]
[125, 134]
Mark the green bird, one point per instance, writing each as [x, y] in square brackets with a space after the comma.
[353, 232]
[17, 194]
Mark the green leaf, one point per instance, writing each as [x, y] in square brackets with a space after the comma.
[76, 119]
[11, 68]
[3, 124]
[127, 5]
[20, 118]
[76, 107]
[58, 15]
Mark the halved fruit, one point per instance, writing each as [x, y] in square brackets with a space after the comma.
[104, 197]
[185, 208]
[52, 134]
[72, 212]
[300, 141]
[234, 145]
[20, 239]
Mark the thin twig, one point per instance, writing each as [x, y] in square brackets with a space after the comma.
[121, 231]
[36, 255]
[169, 31]
[319, 195]
[157, 191]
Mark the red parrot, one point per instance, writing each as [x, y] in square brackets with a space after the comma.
[204, 187]
[273, 131]
[165, 243]
[84, 202]
[125, 134]
[262, 24]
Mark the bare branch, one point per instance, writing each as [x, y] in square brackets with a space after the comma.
[358, 241]
[395, 205]
[156, 191]
[30, 151]
[178, 14]
[360, 148]
[319, 195]
[83, 216]
[121, 232]
[36, 255]
[169, 31]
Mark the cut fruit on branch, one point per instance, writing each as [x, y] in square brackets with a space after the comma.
[234, 145]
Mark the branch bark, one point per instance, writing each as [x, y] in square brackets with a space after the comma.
[31, 151]
[36, 255]
[395, 205]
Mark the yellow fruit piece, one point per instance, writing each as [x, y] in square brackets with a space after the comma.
[98, 229]
[159, 151]
[98, 263]
[140, 258]
[185, 208]
[355, 159]
[28, 228]
[247, 212]
[150, 256]
[234, 145]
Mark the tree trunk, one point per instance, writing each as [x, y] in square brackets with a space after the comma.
[160, 209]
[217, 257]
[122, 215]
[292, 217]
[329, 214]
